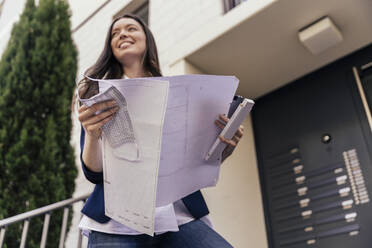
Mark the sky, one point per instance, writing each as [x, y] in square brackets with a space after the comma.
[10, 14]
[12, 9]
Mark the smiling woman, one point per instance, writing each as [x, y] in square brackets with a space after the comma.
[130, 52]
[109, 67]
[128, 43]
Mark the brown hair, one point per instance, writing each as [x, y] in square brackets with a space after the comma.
[108, 67]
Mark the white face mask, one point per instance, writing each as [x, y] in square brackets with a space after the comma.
[119, 132]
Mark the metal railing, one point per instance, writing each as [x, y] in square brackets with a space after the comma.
[26, 217]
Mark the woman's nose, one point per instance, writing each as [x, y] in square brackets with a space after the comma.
[123, 34]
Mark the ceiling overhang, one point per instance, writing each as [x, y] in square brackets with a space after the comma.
[264, 51]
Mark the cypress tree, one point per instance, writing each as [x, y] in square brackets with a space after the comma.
[37, 79]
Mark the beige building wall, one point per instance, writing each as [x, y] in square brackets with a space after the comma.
[174, 21]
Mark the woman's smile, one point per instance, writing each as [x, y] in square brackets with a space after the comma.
[125, 44]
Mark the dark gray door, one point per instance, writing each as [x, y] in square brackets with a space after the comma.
[313, 145]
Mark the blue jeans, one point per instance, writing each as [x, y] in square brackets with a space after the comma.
[195, 234]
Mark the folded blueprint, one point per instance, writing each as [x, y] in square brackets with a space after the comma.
[173, 127]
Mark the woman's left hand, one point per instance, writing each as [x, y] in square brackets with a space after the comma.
[231, 143]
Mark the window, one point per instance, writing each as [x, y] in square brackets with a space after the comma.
[229, 4]
[137, 7]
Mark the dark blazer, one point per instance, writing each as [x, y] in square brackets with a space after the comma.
[95, 205]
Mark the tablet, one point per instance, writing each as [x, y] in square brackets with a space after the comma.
[230, 129]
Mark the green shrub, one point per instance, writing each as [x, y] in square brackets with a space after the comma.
[37, 78]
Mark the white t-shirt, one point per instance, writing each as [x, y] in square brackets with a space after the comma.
[167, 219]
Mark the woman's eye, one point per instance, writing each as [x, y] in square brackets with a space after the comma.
[132, 29]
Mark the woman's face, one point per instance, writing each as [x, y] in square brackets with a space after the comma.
[128, 40]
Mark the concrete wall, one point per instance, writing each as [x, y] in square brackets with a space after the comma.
[174, 21]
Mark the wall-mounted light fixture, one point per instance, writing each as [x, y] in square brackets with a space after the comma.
[320, 36]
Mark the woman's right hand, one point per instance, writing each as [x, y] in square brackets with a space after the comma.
[91, 122]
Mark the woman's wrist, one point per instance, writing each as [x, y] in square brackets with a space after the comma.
[89, 138]
[92, 153]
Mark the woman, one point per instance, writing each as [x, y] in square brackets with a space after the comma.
[130, 52]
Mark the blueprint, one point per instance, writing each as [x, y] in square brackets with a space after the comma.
[173, 128]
